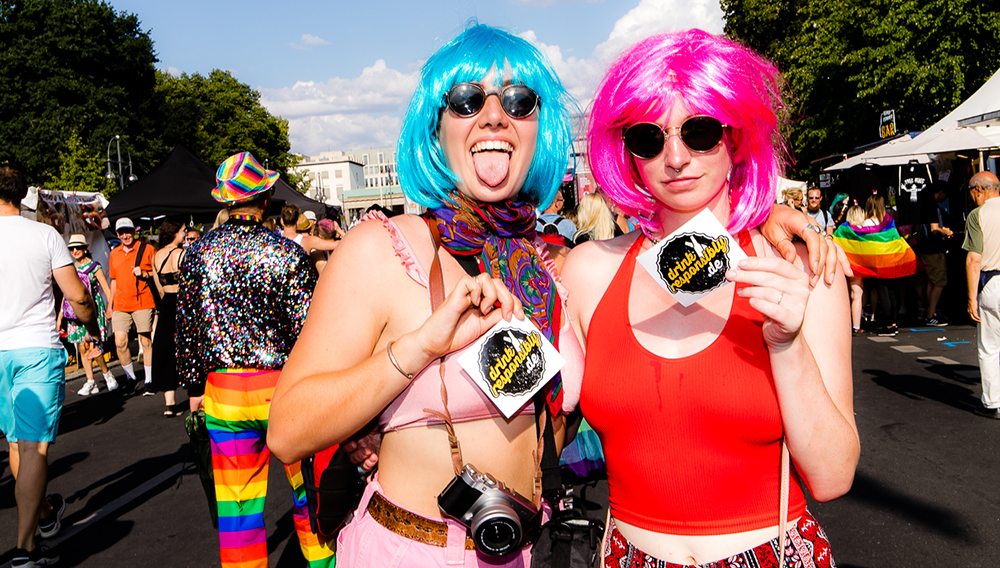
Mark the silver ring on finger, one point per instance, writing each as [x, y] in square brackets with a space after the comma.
[813, 228]
[781, 296]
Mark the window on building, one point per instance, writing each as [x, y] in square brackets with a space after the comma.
[381, 157]
[364, 159]
[326, 175]
[340, 174]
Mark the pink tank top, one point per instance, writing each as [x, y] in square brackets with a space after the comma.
[465, 401]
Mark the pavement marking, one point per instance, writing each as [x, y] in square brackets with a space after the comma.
[941, 360]
[113, 506]
[949, 344]
[878, 339]
[908, 349]
[918, 330]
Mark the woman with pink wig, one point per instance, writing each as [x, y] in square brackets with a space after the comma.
[696, 402]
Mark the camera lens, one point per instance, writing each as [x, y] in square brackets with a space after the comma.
[496, 529]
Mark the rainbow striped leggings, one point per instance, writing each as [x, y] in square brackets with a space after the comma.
[236, 407]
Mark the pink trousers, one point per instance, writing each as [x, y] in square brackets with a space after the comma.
[364, 543]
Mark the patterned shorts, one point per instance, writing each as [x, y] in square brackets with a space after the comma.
[806, 546]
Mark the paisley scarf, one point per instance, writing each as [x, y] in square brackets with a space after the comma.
[499, 236]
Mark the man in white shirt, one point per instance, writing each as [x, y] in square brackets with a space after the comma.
[32, 360]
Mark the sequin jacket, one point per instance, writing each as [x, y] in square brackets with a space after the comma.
[244, 294]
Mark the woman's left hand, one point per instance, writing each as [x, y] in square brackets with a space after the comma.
[779, 291]
[785, 223]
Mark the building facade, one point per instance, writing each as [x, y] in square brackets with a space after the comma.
[332, 174]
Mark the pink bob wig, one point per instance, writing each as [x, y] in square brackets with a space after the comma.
[712, 76]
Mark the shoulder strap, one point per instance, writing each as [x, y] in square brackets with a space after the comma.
[164, 263]
[142, 249]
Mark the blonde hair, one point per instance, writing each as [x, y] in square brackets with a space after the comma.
[791, 194]
[594, 218]
[221, 218]
[855, 216]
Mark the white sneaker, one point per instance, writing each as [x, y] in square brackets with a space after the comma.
[89, 388]
[109, 379]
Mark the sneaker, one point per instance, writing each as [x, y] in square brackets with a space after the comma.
[888, 331]
[148, 393]
[50, 526]
[109, 379]
[938, 321]
[40, 556]
[88, 388]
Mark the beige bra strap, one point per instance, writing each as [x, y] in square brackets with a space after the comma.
[783, 512]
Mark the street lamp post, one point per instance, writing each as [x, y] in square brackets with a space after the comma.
[118, 152]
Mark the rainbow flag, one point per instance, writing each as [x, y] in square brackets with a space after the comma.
[877, 251]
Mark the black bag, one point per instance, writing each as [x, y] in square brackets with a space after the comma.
[337, 493]
[569, 539]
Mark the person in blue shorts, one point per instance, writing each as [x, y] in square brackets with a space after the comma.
[32, 361]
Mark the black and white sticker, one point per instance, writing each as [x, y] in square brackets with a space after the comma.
[510, 363]
[692, 261]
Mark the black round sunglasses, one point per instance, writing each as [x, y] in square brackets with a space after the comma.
[467, 99]
[699, 133]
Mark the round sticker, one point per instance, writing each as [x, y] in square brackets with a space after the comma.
[694, 263]
[512, 361]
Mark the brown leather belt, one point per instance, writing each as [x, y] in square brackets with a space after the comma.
[410, 525]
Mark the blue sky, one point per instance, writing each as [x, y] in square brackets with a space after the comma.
[342, 72]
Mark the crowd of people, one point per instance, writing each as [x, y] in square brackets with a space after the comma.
[294, 336]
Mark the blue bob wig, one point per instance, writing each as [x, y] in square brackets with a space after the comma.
[423, 173]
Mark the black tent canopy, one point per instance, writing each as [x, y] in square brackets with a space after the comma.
[181, 187]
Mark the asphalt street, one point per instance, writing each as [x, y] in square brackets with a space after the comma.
[925, 493]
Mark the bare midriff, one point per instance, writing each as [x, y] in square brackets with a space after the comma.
[695, 549]
[415, 463]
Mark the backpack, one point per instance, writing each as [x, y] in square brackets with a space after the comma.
[333, 486]
[550, 232]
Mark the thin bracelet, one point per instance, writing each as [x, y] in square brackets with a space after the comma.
[388, 350]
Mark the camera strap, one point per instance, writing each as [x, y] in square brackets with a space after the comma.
[436, 289]
[545, 454]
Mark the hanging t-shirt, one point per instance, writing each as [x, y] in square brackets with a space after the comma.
[914, 187]
[27, 312]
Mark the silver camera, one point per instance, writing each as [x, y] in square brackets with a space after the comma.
[497, 517]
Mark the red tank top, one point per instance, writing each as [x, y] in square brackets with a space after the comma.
[692, 445]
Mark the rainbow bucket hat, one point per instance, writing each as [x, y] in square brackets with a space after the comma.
[241, 178]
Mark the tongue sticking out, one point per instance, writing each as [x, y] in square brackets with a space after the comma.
[491, 167]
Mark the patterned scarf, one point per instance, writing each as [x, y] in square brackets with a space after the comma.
[501, 235]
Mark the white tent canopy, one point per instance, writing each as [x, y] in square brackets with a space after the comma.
[972, 125]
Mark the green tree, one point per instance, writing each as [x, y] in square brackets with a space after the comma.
[299, 179]
[80, 170]
[65, 66]
[846, 61]
[217, 116]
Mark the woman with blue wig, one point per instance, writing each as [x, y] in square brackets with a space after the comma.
[485, 142]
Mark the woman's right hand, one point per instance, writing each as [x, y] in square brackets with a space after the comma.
[472, 308]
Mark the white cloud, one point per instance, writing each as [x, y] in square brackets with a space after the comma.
[309, 40]
[551, 2]
[312, 40]
[314, 134]
[344, 113]
[173, 71]
[366, 111]
[656, 16]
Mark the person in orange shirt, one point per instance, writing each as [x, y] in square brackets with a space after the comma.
[131, 298]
